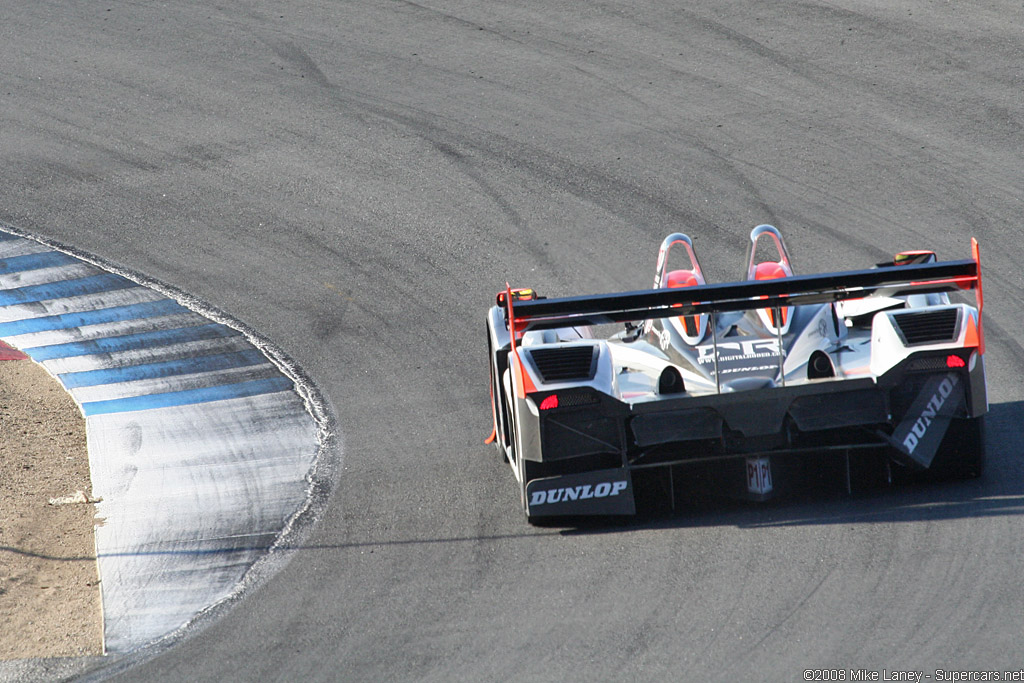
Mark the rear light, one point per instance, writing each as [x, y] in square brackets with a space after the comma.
[954, 361]
[552, 402]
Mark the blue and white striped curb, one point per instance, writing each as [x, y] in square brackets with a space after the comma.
[200, 445]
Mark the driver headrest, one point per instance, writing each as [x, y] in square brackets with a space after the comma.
[681, 278]
[769, 270]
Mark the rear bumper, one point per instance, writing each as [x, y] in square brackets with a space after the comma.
[596, 435]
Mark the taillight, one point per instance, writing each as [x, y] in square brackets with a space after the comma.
[549, 402]
[954, 361]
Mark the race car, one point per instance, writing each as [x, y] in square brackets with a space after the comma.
[739, 388]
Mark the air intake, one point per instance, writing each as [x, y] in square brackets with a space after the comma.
[928, 327]
[565, 363]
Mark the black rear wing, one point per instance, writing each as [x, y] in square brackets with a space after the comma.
[598, 309]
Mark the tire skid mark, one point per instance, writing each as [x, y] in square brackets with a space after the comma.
[581, 182]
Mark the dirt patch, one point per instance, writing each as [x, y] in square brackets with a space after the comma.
[49, 584]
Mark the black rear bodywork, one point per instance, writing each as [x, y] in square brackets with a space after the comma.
[577, 449]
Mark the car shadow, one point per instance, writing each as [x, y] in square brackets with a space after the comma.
[998, 492]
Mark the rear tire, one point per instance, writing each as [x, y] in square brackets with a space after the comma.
[497, 404]
[496, 413]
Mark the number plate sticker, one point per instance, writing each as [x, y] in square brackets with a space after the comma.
[759, 475]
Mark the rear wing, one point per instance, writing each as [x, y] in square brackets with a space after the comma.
[598, 309]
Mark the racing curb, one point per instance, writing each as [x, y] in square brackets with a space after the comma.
[207, 444]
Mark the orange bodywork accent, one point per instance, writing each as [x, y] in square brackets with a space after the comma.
[526, 384]
[494, 417]
[968, 282]
[978, 293]
[972, 336]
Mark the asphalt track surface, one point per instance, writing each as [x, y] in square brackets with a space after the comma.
[355, 180]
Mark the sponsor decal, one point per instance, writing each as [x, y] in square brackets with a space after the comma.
[664, 339]
[599, 492]
[660, 266]
[743, 350]
[571, 493]
[929, 412]
[759, 475]
[748, 368]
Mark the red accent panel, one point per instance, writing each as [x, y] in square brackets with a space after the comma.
[979, 295]
[8, 352]
[967, 282]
